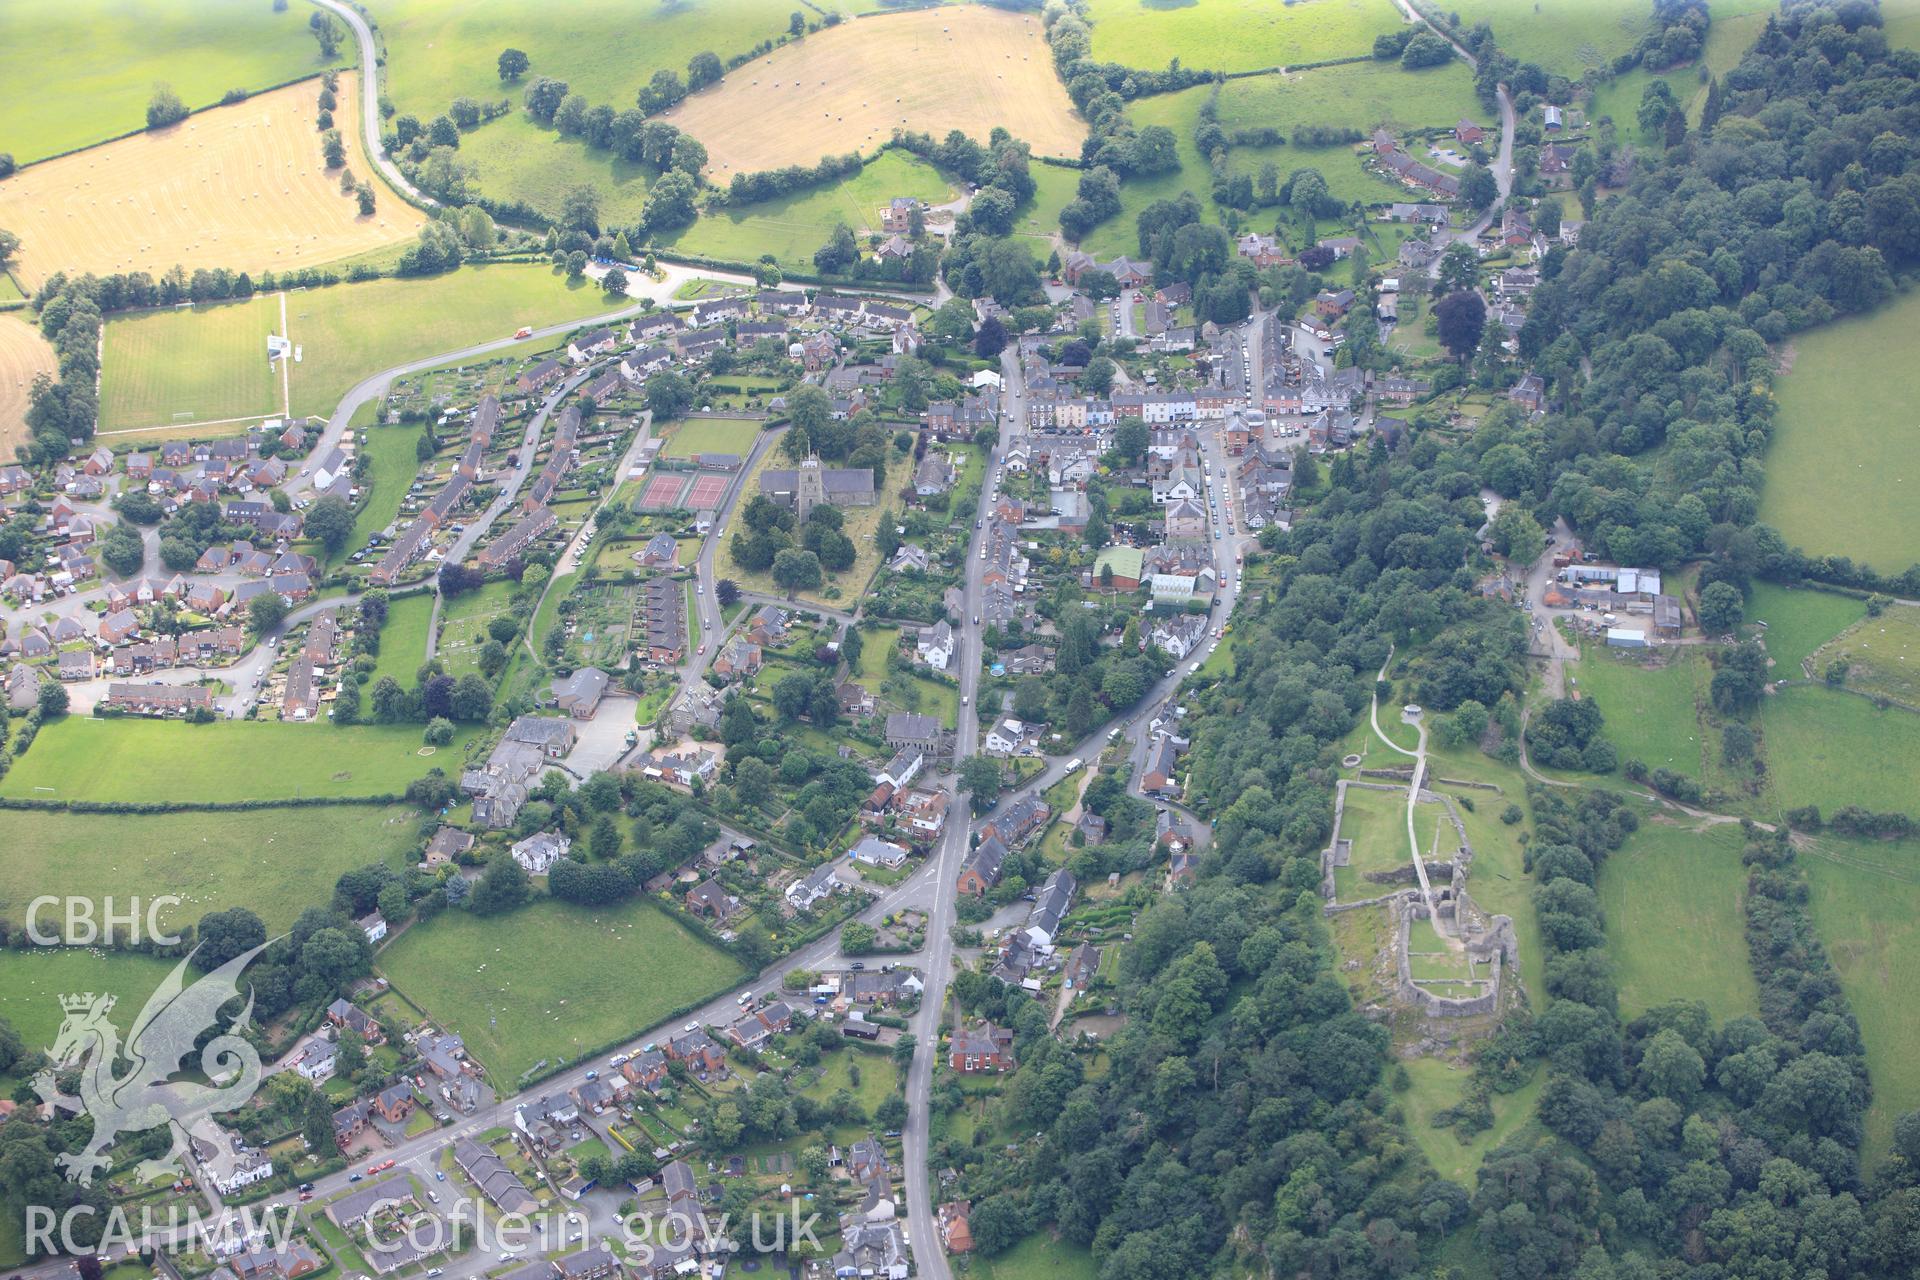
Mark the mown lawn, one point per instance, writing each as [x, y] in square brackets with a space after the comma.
[553, 980]
[180, 365]
[1799, 621]
[80, 758]
[713, 435]
[1376, 822]
[110, 54]
[1236, 35]
[1834, 478]
[879, 1078]
[1866, 905]
[275, 862]
[1675, 925]
[1833, 749]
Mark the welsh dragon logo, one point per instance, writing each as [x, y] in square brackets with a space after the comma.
[145, 1097]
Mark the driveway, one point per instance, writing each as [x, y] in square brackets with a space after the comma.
[603, 739]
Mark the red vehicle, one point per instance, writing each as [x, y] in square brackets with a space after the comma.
[524, 331]
[382, 1167]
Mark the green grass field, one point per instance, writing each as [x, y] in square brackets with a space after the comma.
[793, 227]
[350, 331]
[1180, 112]
[1566, 36]
[1882, 654]
[1376, 822]
[1039, 218]
[403, 639]
[1236, 35]
[80, 758]
[33, 980]
[112, 52]
[1359, 95]
[878, 1078]
[1834, 749]
[1650, 712]
[1675, 925]
[189, 365]
[1866, 904]
[276, 862]
[438, 50]
[553, 980]
[1834, 477]
[1799, 621]
[392, 462]
[212, 360]
[517, 158]
[713, 435]
[1619, 98]
[1438, 1085]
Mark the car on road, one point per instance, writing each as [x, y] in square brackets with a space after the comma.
[857, 966]
[593, 1075]
[440, 1174]
[691, 1026]
[433, 1197]
[976, 619]
[701, 649]
[353, 1177]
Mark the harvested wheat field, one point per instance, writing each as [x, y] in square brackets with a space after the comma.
[241, 187]
[23, 353]
[849, 87]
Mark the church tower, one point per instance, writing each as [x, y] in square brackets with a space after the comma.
[809, 489]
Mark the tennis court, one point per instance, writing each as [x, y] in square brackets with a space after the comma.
[662, 491]
[708, 489]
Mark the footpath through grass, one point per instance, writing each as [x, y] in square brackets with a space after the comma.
[148, 761]
[553, 980]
